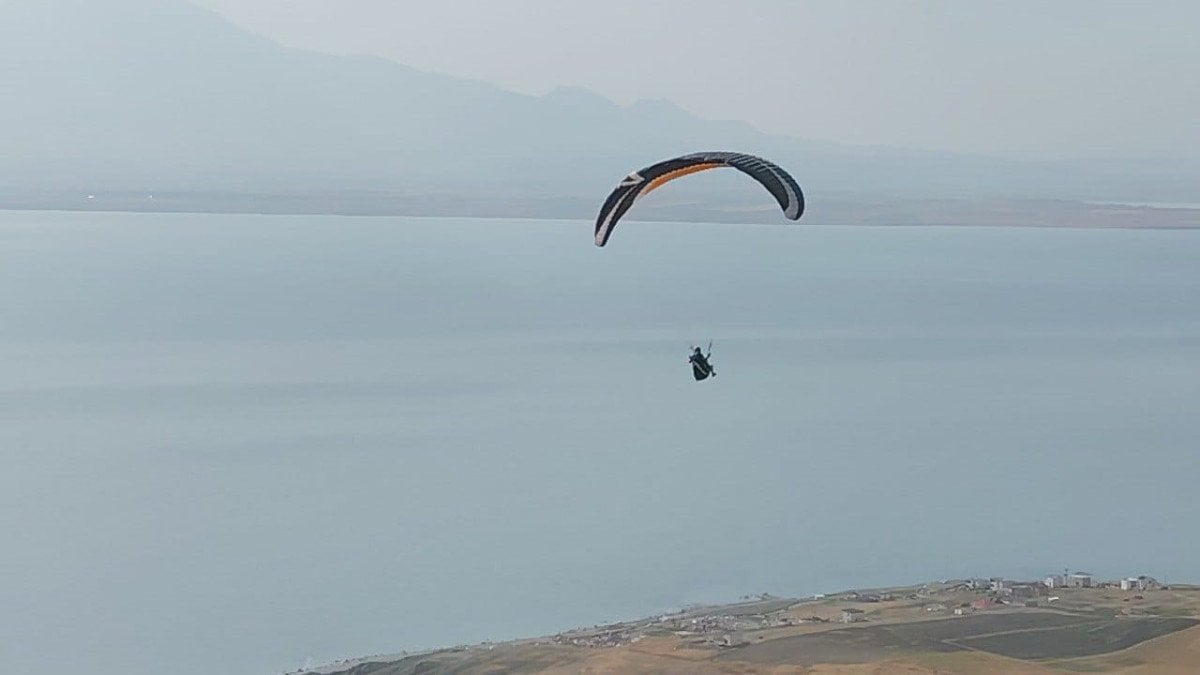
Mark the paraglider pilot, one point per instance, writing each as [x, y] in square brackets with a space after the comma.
[701, 368]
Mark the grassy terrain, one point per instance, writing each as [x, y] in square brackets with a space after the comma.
[1076, 640]
[1021, 635]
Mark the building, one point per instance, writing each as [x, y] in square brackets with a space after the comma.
[735, 639]
[1023, 591]
[1079, 580]
[1055, 581]
[852, 615]
[983, 603]
[1140, 583]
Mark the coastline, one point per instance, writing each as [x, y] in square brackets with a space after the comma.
[836, 210]
[956, 625]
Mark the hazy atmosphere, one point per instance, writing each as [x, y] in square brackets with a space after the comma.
[1072, 78]
[523, 109]
[313, 344]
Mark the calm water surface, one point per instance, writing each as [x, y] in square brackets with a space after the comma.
[234, 443]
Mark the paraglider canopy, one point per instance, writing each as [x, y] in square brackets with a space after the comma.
[777, 181]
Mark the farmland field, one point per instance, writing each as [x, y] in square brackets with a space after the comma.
[1081, 639]
[1025, 635]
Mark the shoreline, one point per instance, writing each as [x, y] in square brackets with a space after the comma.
[840, 212]
[967, 617]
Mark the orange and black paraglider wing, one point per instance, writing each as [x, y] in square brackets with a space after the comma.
[778, 182]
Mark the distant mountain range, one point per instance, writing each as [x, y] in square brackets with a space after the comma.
[161, 96]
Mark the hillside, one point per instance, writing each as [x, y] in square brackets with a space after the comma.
[161, 96]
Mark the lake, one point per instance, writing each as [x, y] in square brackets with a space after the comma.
[238, 444]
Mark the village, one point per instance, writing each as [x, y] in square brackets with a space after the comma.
[1071, 615]
[765, 617]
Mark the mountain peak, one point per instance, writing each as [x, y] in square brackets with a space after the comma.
[577, 95]
[659, 106]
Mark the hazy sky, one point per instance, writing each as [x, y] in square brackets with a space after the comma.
[1069, 78]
